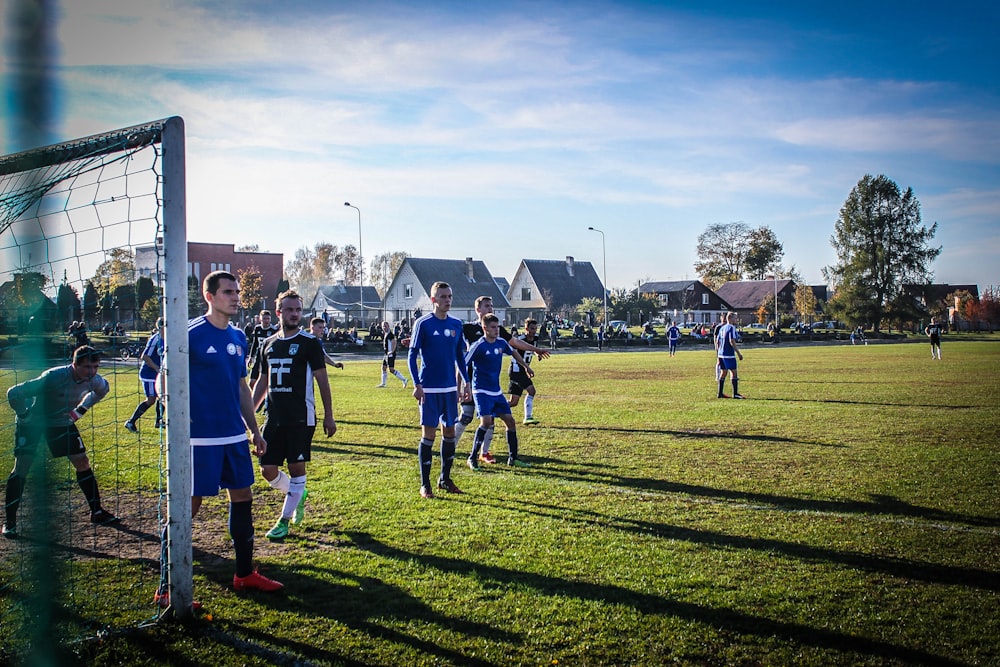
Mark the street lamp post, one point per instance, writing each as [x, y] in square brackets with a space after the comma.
[361, 267]
[604, 251]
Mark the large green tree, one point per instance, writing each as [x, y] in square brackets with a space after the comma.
[764, 252]
[722, 253]
[881, 246]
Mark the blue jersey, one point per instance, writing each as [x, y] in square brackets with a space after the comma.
[486, 359]
[440, 346]
[673, 333]
[217, 366]
[725, 340]
[153, 350]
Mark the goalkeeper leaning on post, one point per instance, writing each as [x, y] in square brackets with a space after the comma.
[48, 407]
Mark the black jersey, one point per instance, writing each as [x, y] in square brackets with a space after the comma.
[387, 343]
[516, 368]
[256, 337]
[291, 363]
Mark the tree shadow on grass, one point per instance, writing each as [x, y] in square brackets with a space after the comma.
[896, 567]
[881, 505]
[840, 401]
[697, 434]
[726, 620]
[358, 602]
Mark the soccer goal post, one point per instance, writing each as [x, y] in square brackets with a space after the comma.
[93, 231]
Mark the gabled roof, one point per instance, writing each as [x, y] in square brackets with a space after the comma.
[665, 286]
[564, 282]
[939, 291]
[748, 294]
[343, 296]
[456, 272]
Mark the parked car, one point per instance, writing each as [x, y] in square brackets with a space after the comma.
[757, 325]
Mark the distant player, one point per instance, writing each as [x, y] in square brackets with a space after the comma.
[520, 380]
[933, 332]
[727, 352]
[437, 342]
[389, 345]
[152, 357]
[485, 356]
[317, 326]
[256, 335]
[673, 337]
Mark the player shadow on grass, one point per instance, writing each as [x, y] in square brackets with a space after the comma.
[881, 505]
[357, 602]
[725, 620]
[700, 434]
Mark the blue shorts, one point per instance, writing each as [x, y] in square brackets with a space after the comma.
[491, 406]
[673, 344]
[727, 363]
[215, 467]
[149, 386]
[439, 409]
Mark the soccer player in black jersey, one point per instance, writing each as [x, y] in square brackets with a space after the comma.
[255, 337]
[520, 380]
[472, 332]
[389, 344]
[290, 360]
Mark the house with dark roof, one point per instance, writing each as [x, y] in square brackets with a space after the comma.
[541, 286]
[746, 296]
[339, 303]
[933, 298]
[409, 295]
[687, 302]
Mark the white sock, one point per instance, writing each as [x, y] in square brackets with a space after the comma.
[529, 406]
[385, 377]
[296, 487]
[280, 483]
[398, 374]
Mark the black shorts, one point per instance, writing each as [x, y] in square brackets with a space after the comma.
[291, 442]
[389, 361]
[62, 440]
[519, 383]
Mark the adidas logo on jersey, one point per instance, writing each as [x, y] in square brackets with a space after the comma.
[211, 350]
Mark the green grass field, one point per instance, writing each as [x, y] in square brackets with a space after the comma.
[847, 514]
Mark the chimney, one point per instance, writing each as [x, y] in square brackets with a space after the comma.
[569, 266]
[470, 270]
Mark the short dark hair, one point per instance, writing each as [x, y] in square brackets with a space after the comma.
[480, 299]
[491, 319]
[316, 320]
[211, 282]
[85, 352]
[528, 322]
[288, 294]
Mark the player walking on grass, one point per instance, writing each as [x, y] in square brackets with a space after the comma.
[472, 332]
[290, 361]
[48, 407]
[520, 377]
[389, 344]
[485, 356]
[152, 357]
[673, 337]
[933, 332]
[727, 352]
[437, 341]
[221, 411]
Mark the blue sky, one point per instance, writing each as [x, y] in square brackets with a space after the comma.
[504, 130]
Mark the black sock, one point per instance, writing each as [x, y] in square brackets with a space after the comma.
[447, 457]
[241, 530]
[164, 568]
[15, 487]
[140, 410]
[159, 412]
[722, 383]
[88, 484]
[511, 445]
[425, 452]
[736, 386]
[477, 444]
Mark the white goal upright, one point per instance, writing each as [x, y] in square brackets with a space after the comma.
[71, 217]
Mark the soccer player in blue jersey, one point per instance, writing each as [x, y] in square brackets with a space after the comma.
[673, 337]
[437, 341]
[727, 352]
[221, 411]
[152, 357]
[486, 358]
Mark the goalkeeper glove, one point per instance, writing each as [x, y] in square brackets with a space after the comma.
[77, 412]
